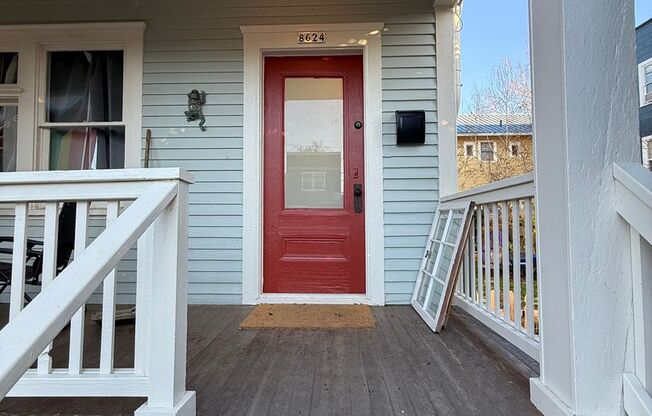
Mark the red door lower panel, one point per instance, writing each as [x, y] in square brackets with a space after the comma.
[314, 175]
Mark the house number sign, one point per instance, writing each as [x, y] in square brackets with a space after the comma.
[311, 37]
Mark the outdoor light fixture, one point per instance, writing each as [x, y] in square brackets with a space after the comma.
[410, 127]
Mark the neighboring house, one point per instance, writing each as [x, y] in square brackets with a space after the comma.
[644, 61]
[492, 147]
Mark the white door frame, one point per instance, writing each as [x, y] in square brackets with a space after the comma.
[278, 40]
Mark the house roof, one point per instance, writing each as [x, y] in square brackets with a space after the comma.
[494, 124]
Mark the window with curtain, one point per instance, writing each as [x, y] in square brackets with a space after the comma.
[8, 136]
[8, 67]
[84, 110]
[8, 112]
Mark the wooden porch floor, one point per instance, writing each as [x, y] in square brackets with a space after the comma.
[400, 368]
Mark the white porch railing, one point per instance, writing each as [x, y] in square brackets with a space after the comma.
[498, 284]
[157, 221]
[634, 205]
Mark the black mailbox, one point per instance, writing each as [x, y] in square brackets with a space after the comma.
[410, 127]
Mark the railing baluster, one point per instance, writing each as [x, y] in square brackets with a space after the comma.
[496, 257]
[467, 267]
[472, 259]
[516, 260]
[50, 231]
[504, 251]
[529, 281]
[16, 301]
[107, 338]
[486, 258]
[478, 245]
[76, 354]
[145, 266]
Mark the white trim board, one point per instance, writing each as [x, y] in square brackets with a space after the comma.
[279, 41]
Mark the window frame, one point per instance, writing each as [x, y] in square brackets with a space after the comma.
[473, 150]
[518, 147]
[33, 42]
[313, 175]
[641, 81]
[495, 151]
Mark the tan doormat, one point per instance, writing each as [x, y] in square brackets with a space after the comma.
[317, 317]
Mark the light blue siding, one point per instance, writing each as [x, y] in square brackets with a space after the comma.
[197, 44]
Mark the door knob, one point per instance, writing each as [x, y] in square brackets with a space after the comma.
[357, 198]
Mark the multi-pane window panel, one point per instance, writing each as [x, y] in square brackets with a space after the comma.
[8, 137]
[487, 151]
[432, 293]
[8, 67]
[84, 110]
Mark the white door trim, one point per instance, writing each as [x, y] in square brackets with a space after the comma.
[282, 40]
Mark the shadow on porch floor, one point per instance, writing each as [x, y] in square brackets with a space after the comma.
[399, 368]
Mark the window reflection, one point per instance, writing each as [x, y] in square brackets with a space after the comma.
[313, 142]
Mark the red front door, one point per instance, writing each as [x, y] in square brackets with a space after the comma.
[313, 175]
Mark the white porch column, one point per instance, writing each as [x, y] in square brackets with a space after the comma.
[585, 118]
[447, 100]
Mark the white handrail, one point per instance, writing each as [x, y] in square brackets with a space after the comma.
[23, 338]
[634, 196]
[521, 186]
[634, 204]
[490, 287]
[157, 220]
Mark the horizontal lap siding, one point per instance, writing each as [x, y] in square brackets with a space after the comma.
[410, 173]
[197, 45]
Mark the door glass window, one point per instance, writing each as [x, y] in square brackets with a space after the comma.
[314, 136]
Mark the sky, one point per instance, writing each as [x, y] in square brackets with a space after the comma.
[487, 39]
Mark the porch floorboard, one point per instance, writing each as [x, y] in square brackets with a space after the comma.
[399, 368]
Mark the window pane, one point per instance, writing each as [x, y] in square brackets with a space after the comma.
[648, 74]
[85, 86]
[87, 148]
[314, 132]
[8, 129]
[8, 68]
[487, 151]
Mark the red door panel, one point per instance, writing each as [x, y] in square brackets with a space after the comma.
[313, 161]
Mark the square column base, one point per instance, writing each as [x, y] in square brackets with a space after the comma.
[187, 406]
[546, 401]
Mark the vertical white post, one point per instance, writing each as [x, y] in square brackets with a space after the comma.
[16, 301]
[169, 313]
[582, 244]
[529, 277]
[472, 259]
[50, 234]
[516, 260]
[496, 257]
[478, 245]
[76, 354]
[107, 336]
[144, 277]
[504, 249]
[487, 258]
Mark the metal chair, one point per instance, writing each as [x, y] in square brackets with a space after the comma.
[34, 254]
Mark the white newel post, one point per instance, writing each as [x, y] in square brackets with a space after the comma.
[169, 313]
[585, 118]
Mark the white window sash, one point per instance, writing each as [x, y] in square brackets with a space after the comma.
[33, 42]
